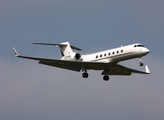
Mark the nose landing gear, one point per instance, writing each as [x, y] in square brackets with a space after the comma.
[140, 64]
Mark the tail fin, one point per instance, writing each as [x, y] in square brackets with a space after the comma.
[65, 47]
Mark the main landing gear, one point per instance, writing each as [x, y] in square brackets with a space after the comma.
[106, 77]
[140, 64]
[85, 75]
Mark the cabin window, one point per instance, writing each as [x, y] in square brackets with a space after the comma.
[117, 52]
[100, 55]
[135, 45]
[97, 56]
[113, 53]
[121, 50]
[104, 54]
[108, 53]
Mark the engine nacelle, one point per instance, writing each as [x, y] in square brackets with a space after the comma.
[72, 56]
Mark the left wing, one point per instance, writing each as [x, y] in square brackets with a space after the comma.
[109, 68]
[121, 70]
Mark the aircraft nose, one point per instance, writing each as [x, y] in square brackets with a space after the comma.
[145, 50]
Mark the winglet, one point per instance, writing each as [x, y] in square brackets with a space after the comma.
[16, 53]
[147, 69]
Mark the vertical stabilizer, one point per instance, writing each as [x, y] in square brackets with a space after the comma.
[65, 48]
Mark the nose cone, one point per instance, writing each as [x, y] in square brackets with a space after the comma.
[145, 50]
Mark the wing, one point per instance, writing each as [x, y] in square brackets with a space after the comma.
[109, 68]
[70, 65]
[121, 70]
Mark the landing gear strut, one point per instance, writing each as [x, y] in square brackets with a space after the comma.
[140, 64]
[106, 77]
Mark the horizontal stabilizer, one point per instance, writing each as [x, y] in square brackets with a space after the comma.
[58, 45]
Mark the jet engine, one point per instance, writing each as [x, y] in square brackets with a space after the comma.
[72, 56]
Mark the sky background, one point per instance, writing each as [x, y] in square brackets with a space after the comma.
[30, 91]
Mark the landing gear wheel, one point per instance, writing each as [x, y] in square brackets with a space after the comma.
[85, 75]
[140, 64]
[106, 78]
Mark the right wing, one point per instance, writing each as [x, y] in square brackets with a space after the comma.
[70, 65]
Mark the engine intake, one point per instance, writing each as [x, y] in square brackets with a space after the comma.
[77, 56]
[72, 56]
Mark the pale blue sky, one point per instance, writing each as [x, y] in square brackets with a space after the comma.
[32, 91]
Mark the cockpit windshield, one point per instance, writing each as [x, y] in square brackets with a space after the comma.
[138, 46]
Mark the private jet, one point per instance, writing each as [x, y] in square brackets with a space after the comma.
[107, 61]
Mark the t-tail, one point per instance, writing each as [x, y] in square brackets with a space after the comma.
[66, 50]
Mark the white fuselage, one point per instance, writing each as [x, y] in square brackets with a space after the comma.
[118, 54]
